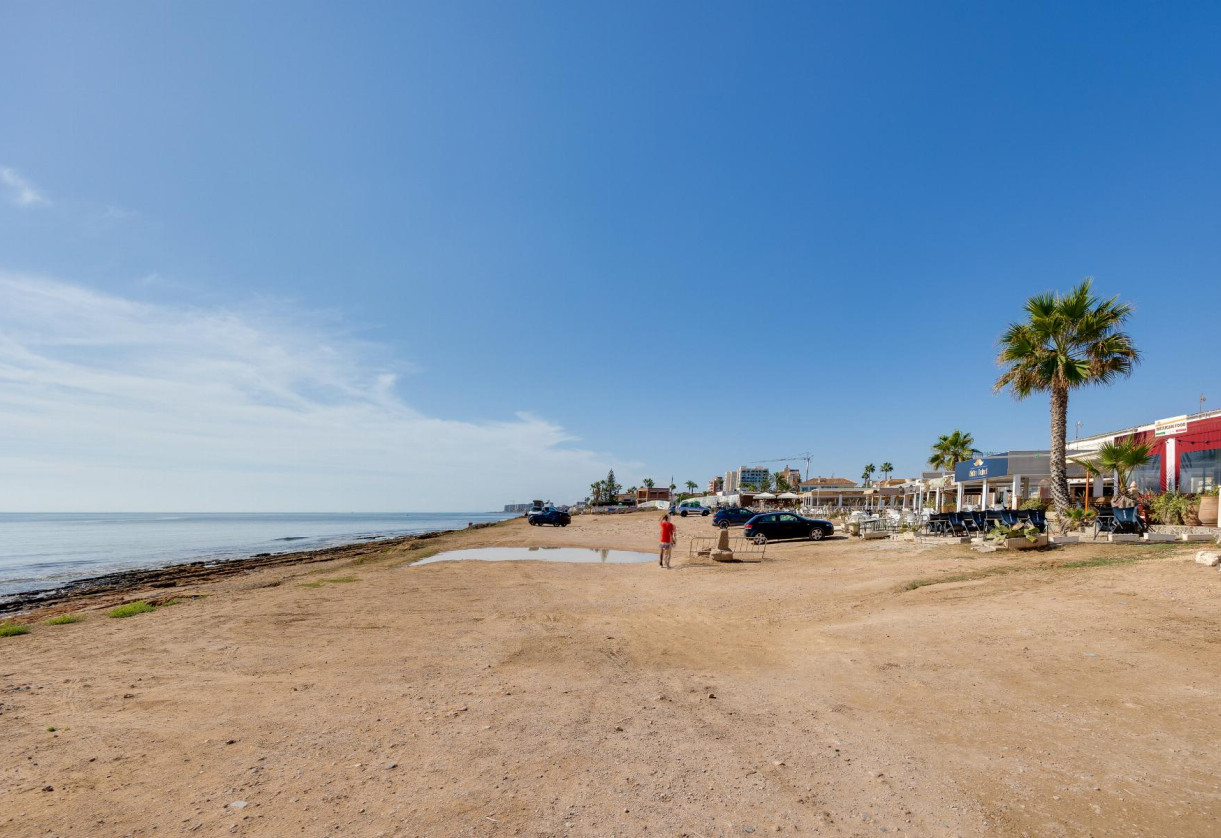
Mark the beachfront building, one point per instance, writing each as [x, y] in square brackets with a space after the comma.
[1186, 453]
[831, 492]
[716, 485]
[645, 494]
[1006, 480]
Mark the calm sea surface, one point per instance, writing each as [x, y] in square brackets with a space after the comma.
[43, 550]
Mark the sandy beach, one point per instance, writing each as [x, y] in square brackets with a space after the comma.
[837, 688]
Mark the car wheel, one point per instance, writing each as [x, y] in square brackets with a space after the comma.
[705, 512]
[565, 523]
[724, 525]
[683, 514]
[816, 534]
[760, 539]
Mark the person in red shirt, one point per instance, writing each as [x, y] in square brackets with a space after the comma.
[668, 537]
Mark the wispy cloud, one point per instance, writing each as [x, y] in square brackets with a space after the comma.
[111, 403]
[20, 191]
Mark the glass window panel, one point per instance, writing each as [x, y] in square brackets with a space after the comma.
[1199, 471]
[1149, 476]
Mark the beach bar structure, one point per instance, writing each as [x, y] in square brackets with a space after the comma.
[1005, 480]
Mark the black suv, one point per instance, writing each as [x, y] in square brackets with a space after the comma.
[549, 515]
[771, 526]
[732, 516]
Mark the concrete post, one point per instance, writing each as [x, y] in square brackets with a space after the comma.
[983, 495]
[1015, 499]
[1172, 464]
[958, 502]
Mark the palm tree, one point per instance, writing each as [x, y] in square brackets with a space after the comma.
[691, 486]
[952, 449]
[595, 491]
[1066, 342]
[648, 482]
[1120, 458]
[867, 473]
[782, 482]
[887, 469]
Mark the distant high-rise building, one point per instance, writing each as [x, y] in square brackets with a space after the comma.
[749, 476]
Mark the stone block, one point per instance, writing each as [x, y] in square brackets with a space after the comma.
[1196, 536]
[1123, 538]
[1160, 537]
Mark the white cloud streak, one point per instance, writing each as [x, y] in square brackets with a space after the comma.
[108, 403]
[20, 191]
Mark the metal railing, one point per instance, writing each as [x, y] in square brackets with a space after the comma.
[742, 548]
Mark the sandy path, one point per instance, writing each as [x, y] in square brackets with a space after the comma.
[809, 694]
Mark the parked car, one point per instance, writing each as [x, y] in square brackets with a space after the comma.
[732, 516]
[549, 515]
[772, 526]
[690, 507]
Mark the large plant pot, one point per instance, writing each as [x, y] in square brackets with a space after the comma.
[1022, 543]
[1208, 511]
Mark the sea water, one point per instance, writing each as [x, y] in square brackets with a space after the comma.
[42, 550]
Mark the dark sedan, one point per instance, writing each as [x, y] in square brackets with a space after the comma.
[549, 515]
[732, 516]
[772, 526]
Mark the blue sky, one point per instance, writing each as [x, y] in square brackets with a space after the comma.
[426, 256]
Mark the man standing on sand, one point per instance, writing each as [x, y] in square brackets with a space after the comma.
[668, 537]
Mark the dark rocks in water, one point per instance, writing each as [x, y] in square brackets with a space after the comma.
[260, 555]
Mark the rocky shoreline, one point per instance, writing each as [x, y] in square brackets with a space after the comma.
[190, 573]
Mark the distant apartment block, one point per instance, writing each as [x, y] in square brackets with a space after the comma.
[752, 476]
[716, 484]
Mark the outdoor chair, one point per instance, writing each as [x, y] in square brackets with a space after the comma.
[1127, 521]
[1012, 519]
[955, 524]
[1038, 519]
[970, 522]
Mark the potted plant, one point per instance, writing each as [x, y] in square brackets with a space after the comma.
[1208, 508]
[1017, 538]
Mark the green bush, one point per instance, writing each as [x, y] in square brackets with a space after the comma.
[1034, 503]
[12, 630]
[64, 619]
[1173, 509]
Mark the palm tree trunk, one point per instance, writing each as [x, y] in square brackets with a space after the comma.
[1059, 433]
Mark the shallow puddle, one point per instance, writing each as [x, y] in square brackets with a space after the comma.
[540, 554]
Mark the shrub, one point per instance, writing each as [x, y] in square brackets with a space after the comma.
[12, 630]
[63, 620]
[1034, 503]
[131, 609]
[1173, 509]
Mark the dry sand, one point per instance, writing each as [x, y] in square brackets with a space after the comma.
[808, 694]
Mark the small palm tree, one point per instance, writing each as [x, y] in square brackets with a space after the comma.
[648, 482]
[1066, 342]
[782, 483]
[887, 469]
[868, 473]
[1119, 458]
[691, 486]
[952, 449]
